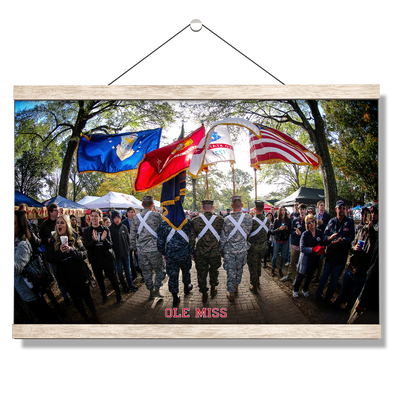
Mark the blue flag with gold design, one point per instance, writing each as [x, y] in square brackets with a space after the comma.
[115, 153]
[172, 198]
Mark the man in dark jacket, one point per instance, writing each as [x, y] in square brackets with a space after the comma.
[338, 236]
[322, 217]
[121, 247]
[130, 214]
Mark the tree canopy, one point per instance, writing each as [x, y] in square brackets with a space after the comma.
[344, 133]
[353, 129]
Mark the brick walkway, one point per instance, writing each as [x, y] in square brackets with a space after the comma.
[270, 306]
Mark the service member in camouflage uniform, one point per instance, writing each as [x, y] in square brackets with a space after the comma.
[258, 241]
[143, 240]
[234, 245]
[207, 253]
[174, 245]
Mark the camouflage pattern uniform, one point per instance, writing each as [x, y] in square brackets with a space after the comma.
[150, 259]
[234, 249]
[207, 251]
[177, 254]
[257, 250]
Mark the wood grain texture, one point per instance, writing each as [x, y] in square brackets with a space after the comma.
[175, 331]
[197, 92]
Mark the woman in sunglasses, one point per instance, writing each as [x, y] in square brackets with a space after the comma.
[310, 250]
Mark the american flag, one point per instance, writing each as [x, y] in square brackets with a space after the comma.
[275, 146]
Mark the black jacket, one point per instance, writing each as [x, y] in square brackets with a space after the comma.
[72, 270]
[45, 232]
[284, 234]
[120, 240]
[92, 245]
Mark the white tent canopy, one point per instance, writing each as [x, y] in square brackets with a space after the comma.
[133, 199]
[87, 199]
[113, 200]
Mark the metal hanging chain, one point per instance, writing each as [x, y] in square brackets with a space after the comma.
[196, 26]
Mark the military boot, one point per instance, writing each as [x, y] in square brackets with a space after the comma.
[152, 294]
[157, 292]
[187, 288]
[213, 291]
[204, 297]
[176, 300]
[230, 296]
[253, 289]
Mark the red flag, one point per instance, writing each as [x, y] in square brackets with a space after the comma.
[164, 163]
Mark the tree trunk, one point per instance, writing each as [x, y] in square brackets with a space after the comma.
[71, 148]
[318, 139]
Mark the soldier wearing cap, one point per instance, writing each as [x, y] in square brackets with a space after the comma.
[143, 241]
[234, 245]
[338, 236]
[258, 240]
[207, 251]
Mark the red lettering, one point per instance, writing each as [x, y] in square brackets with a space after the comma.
[209, 312]
[215, 312]
[185, 312]
[168, 313]
[201, 313]
[175, 315]
[223, 313]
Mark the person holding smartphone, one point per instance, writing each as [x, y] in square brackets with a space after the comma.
[281, 231]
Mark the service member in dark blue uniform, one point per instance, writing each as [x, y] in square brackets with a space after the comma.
[174, 245]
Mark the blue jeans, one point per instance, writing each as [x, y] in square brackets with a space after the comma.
[123, 262]
[283, 249]
[333, 271]
[351, 288]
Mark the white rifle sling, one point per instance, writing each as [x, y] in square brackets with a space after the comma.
[237, 226]
[172, 233]
[261, 226]
[143, 224]
[208, 227]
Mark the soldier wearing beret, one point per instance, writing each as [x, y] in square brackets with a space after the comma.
[143, 241]
[207, 251]
[234, 245]
[258, 240]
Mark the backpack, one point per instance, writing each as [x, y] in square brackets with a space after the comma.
[37, 274]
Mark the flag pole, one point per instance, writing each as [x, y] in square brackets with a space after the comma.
[208, 196]
[255, 181]
[233, 180]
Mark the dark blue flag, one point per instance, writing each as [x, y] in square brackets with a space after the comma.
[115, 153]
[172, 198]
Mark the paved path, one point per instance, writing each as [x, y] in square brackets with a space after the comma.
[270, 306]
